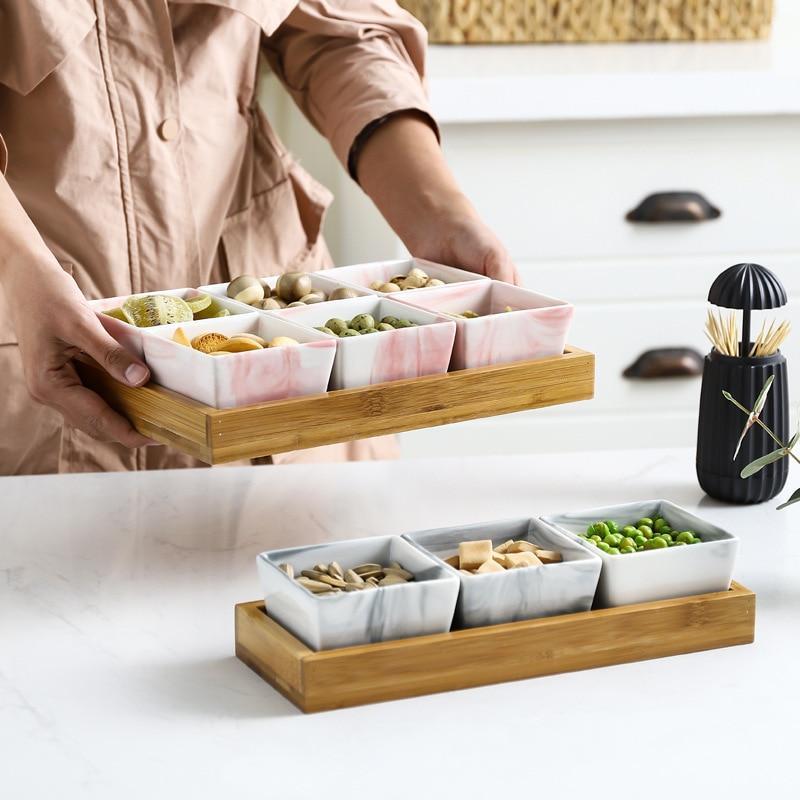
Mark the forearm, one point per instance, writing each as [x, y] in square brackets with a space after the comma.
[402, 168]
[20, 242]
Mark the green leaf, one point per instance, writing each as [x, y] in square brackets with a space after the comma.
[760, 463]
[793, 499]
[762, 396]
[793, 441]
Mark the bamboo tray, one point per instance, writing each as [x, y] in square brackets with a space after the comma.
[219, 435]
[350, 676]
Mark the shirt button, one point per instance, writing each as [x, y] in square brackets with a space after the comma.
[169, 129]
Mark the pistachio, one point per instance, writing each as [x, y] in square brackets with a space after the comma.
[312, 297]
[292, 286]
[389, 287]
[416, 272]
[296, 304]
[343, 293]
[433, 282]
[246, 289]
[376, 285]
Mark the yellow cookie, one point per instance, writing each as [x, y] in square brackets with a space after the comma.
[282, 341]
[209, 342]
[240, 344]
[181, 338]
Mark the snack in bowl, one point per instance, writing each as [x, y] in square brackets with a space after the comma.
[415, 278]
[292, 289]
[363, 324]
[646, 534]
[147, 311]
[329, 579]
[477, 557]
[213, 343]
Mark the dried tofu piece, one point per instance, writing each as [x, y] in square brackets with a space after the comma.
[472, 554]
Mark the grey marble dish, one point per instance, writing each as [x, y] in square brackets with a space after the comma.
[656, 574]
[518, 593]
[422, 606]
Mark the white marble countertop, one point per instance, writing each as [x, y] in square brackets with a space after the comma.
[540, 82]
[117, 675]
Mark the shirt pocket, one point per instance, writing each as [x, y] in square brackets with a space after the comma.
[279, 228]
[36, 36]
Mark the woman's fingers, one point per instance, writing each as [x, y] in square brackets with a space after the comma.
[87, 411]
[92, 339]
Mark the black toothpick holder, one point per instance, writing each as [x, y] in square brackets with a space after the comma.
[746, 287]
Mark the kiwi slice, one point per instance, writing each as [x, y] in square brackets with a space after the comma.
[119, 313]
[157, 309]
[212, 311]
[199, 303]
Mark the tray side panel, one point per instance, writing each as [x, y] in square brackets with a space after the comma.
[270, 651]
[463, 659]
[400, 406]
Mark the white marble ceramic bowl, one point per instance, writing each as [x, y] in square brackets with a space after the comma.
[656, 574]
[422, 606]
[129, 336]
[515, 594]
[363, 275]
[387, 355]
[320, 279]
[241, 379]
[536, 328]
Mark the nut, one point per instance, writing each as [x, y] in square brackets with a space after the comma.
[270, 304]
[246, 289]
[291, 286]
[343, 293]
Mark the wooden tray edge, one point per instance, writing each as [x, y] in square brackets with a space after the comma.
[325, 680]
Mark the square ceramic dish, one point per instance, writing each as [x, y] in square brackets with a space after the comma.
[387, 355]
[515, 594]
[320, 279]
[362, 275]
[536, 328]
[241, 379]
[656, 574]
[420, 607]
[129, 336]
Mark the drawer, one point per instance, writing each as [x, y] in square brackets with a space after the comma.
[562, 190]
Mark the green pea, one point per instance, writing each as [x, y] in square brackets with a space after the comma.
[684, 537]
[660, 523]
[610, 539]
[639, 540]
[629, 530]
[696, 540]
[349, 332]
[646, 531]
[666, 537]
[678, 544]
[666, 529]
[626, 550]
[603, 546]
[595, 538]
[626, 542]
[338, 326]
[656, 543]
[583, 536]
[611, 525]
[639, 549]
[598, 528]
[613, 551]
[645, 521]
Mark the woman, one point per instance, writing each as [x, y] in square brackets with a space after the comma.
[136, 158]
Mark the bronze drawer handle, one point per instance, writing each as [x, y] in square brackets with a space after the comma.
[673, 207]
[666, 362]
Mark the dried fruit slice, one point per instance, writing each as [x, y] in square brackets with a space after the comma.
[240, 344]
[199, 302]
[209, 342]
[157, 309]
[212, 311]
[181, 338]
[119, 313]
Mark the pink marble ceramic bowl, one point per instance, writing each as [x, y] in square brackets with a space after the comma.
[129, 336]
[321, 280]
[241, 379]
[536, 328]
[387, 355]
[363, 275]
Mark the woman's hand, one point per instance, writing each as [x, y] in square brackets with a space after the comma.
[401, 167]
[54, 324]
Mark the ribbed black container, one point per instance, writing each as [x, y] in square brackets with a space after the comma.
[720, 424]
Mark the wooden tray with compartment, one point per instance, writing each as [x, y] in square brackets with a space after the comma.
[216, 435]
[350, 676]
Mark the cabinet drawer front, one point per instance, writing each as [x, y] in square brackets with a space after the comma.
[562, 190]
